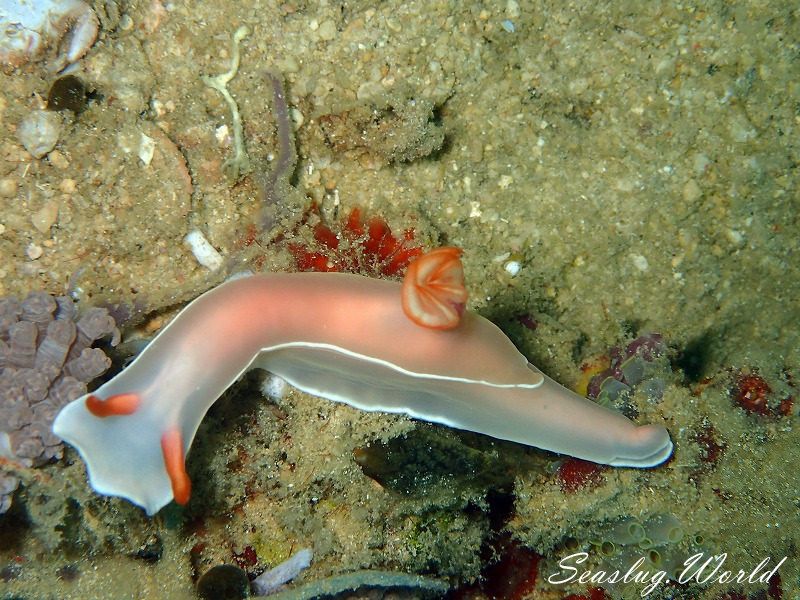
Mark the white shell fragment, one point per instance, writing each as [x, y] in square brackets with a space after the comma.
[38, 132]
[513, 267]
[274, 387]
[271, 580]
[147, 147]
[29, 27]
[203, 251]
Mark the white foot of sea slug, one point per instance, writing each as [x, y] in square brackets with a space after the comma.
[377, 345]
[29, 27]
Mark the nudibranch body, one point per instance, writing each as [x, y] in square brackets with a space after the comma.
[339, 336]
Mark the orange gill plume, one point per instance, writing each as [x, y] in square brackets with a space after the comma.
[433, 292]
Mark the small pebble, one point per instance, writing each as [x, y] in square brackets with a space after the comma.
[8, 187]
[691, 191]
[44, 218]
[700, 163]
[39, 131]
[394, 25]
[58, 160]
[68, 186]
[734, 236]
[297, 118]
[33, 251]
[327, 30]
[151, 551]
[147, 147]
[640, 262]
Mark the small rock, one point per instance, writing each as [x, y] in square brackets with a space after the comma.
[640, 262]
[10, 572]
[30, 28]
[151, 551]
[691, 191]
[147, 147]
[327, 30]
[39, 131]
[68, 185]
[58, 160]
[8, 187]
[34, 251]
[44, 218]
[512, 9]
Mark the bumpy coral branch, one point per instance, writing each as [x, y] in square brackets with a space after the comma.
[46, 361]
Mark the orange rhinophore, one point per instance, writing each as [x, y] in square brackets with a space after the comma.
[172, 448]
[113, 406]
[433, 292]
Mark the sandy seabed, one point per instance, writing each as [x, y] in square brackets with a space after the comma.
[637, 161]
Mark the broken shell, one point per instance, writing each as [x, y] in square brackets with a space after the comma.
[27, 29]
[147, 148]
[38, 132]
[203, 251]
[513, 267]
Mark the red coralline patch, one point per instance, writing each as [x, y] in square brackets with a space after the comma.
[514, 575]
[247, 239]
[528, 321]
[773, 592]
[751, 392]
[774, 589]
[711, 448]
[196, 560]
[702, 385]
[574, 474]
[786, 406]
[246, 558]
[355, 245]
